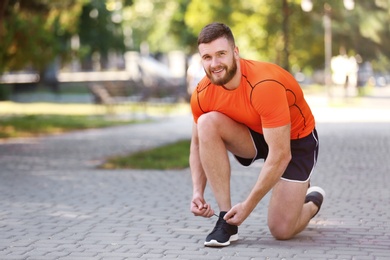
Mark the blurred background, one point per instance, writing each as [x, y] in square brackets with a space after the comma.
[106, 51]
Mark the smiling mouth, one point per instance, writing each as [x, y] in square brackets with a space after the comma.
[218, 71]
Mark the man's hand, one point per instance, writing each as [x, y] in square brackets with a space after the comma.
[237, 214]
[200, 208]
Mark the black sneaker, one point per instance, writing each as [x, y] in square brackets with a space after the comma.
[222, 234]
[315, 195]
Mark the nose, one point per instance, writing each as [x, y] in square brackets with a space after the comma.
[214, 62]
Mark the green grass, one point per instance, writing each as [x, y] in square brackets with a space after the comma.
[34, 125]
[33, 119]
[167, 157]
[42, 108]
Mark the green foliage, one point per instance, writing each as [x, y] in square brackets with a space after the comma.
[258, 27]
[178, 28]
[171, 156]
[210, 11]
[32, 125]
[99, 31]
[31, 32]
[149, 22]
[34, 32]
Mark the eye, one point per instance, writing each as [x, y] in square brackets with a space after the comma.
[206, 58]
[221, 54]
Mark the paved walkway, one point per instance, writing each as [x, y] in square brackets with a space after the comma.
[55, 204]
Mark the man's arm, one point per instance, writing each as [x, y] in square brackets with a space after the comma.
[279, 155]
[198, 176]
[198, 204]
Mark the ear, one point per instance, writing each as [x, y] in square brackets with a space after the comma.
[236, 52]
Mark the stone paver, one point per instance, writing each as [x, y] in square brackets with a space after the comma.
[54, 203]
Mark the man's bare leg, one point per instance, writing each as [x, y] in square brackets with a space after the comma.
[288, 214]
[217, 134]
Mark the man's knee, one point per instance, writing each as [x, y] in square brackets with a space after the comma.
[281, 230]
[208, 122]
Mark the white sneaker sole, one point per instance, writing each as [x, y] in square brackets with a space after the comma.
[215, 243]
[317, 189]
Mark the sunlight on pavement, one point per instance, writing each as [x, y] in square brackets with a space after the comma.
[351, 111]
[8, 107]
[338, 110]
[14, 108]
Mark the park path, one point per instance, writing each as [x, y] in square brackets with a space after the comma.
[55, 203]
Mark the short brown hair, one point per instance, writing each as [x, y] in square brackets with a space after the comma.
[215, 31]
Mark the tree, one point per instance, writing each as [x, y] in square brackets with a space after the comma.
[100, 29]
[372, 38]
[32, 31]
[363, 31]
[261, 33]
[3, 6]
[148, 23]
[179, 29]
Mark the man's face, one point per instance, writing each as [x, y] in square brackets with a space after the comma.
[218, 60]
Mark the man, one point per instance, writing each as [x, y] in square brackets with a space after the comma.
[254, 110]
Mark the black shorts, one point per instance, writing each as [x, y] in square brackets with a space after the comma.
[304, 153]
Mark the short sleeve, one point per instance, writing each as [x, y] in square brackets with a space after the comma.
[195, 109]
[270, 101]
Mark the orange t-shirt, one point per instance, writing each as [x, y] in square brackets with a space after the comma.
[267, 97]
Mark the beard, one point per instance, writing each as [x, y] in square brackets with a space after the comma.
[229, 74]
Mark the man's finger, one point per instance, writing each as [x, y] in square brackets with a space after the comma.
[230, 214]
[198, 204]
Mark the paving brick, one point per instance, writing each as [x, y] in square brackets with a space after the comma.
[55, 205]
